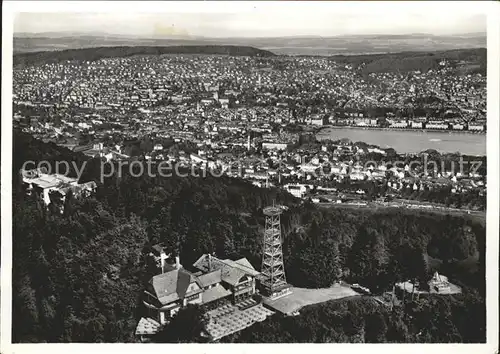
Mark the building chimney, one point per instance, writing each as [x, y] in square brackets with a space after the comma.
[177, 262]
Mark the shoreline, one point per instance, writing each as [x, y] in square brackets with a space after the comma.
[325, 127]
[410, 141]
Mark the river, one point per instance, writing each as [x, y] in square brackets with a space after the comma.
[404, 141]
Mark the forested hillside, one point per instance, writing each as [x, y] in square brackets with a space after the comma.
[92, 54]
[434, 319]
[413, 61]
[77, 277]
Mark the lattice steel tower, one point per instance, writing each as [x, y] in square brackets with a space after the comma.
[273, 278]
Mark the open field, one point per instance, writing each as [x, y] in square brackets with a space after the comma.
[301, 297]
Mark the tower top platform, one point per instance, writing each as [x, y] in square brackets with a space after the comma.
[273, 210]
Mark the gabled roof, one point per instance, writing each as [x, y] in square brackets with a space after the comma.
[245, 266]
[172, 285]
[231, 271]
[202, 263]
[215, 293]
[245, 263]
[210, 278]
[232, 275]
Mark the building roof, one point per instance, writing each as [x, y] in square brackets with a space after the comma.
[232, 275]
[47, 181]
[202, 263]
[210, 278]
[243, 262]
[172, 285]
[244, 265]
[215, 293]
[231, 271]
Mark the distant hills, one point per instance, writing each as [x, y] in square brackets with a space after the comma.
[91, 54]
[293, 45]
[378, 53]
[475, 60]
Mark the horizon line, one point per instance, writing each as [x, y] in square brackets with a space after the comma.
[152, 36]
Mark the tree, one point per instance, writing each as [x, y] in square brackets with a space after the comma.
[187, 326]
[368, 257]
[375, 328]
[352, 324]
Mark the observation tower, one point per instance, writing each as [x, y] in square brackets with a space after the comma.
[273, 281]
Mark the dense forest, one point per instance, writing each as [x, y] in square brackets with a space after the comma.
[412, 61]
[77, 277]
[435, 319]
[92, 54]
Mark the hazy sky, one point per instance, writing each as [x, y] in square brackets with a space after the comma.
[265, 20]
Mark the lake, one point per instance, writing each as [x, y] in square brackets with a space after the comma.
[404, 141]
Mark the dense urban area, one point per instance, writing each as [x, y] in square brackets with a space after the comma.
[377, 245]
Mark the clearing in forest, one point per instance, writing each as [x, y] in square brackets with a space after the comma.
[301, 297]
